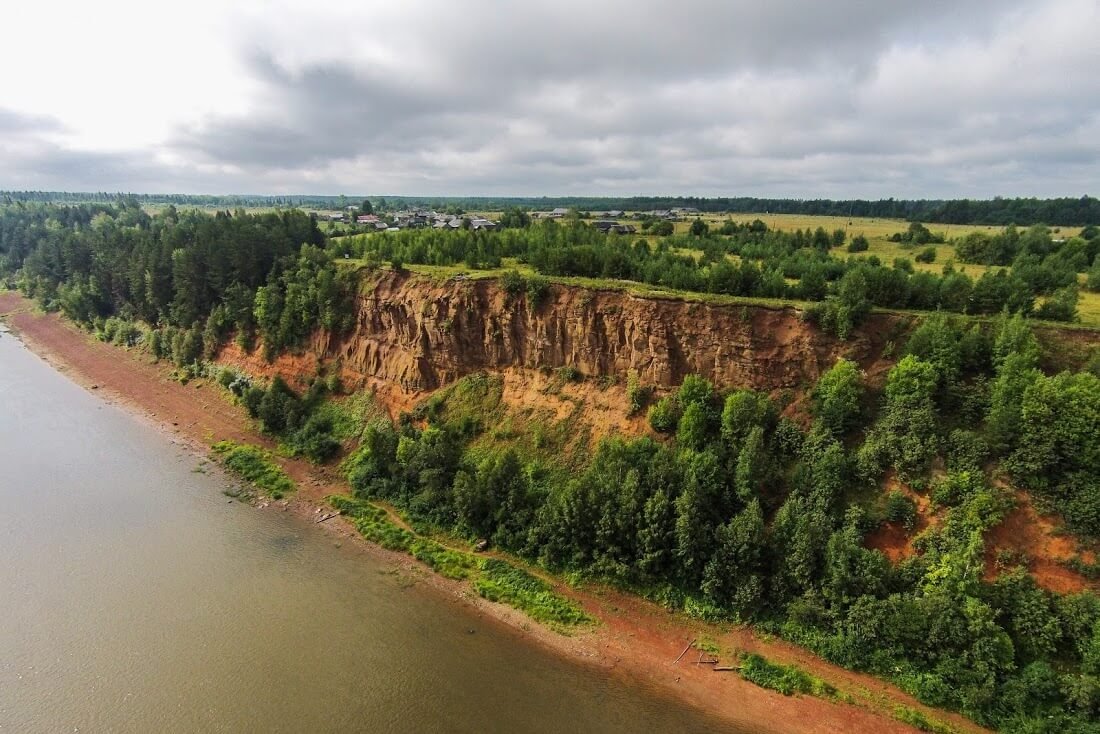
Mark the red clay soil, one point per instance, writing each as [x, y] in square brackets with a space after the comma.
[1035, 538]
[894, 539]
[634, 638]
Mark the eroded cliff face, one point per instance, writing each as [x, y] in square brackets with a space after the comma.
[418, 334]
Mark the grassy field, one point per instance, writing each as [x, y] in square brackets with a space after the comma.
[871, 228]
[441, 273]
[875, 230]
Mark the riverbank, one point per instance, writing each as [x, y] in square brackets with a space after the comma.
[634, 638]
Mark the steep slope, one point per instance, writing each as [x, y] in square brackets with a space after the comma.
[421, 334]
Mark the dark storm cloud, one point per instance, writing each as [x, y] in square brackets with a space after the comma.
[850, 97]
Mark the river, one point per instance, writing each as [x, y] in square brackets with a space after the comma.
[135, 597]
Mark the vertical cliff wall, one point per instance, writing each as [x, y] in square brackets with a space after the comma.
[420, 334]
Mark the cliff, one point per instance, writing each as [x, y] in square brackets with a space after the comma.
[420, 334]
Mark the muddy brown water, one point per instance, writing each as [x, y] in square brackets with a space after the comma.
[135, 598]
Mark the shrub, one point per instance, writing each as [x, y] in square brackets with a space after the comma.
[927, 255]
[636, 394]
[787, 679]
[665, 415]
[315, 439]
[859, 243]
[538, 288]
[900, 508]
[513, 283]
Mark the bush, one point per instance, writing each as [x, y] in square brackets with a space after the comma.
[315, 439]
[513, 283]
[859, 243]
[900, 508]
[538, 288]
[637, 395]
[787, 679]
[927, 255]
[1061, 306]
[665, 415]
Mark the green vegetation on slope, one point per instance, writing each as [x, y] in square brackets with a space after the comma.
[740, 514]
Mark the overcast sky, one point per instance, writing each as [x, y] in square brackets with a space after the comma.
[834, 98]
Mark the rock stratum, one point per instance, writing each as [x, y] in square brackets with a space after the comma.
[419, 334]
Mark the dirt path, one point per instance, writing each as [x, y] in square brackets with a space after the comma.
[635, 639]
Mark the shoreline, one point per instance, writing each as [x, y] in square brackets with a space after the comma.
[633, 640]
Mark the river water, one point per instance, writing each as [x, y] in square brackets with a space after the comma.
[134, 597]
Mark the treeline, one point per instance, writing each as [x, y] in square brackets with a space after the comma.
[742, 514]
[195, 278]
[751, 260]
[229, 201]
[1068, 211]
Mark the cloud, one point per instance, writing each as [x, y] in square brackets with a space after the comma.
[845, 98]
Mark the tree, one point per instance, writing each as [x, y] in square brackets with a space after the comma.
[657, 534]
[699, 228]
[838, 396]
[663, 228]
[1061, 306]
[906, 434]
[752, 464]
[847, 309]
[696, 389]
[366, 207]
[732, 577]
[694, 429]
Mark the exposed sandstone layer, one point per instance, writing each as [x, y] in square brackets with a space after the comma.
[420, 334]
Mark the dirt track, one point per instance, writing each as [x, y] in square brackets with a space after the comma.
[636, 639]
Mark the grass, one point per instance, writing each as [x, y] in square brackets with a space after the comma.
[493, 579]
[786, 679]
[373, 523]
[444, 561]
[918, 720]
[500, 581]
[255, 466]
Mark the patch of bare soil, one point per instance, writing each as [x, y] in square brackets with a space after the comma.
[1041, 543]
[893, 538]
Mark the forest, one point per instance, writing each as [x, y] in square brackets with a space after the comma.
[726, 509]
[1067, 211]
[196, 278]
